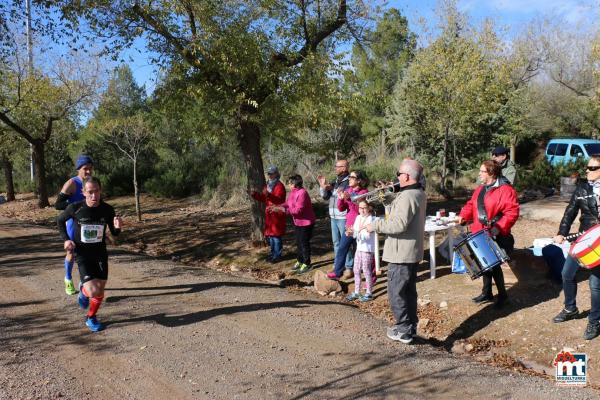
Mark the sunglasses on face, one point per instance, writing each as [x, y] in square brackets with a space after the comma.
[398, 173]
[353, 177]
[593, 168]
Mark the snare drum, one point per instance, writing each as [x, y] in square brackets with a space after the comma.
[480, 253]
[586, 249]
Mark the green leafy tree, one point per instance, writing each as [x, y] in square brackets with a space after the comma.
[121, 121]
[238, 53]
[446, 106]
[8, 147]
[38, 106]
[379, 62]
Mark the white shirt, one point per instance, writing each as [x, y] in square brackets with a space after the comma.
[365, 241]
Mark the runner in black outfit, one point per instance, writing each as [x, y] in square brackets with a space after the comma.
[91, 217]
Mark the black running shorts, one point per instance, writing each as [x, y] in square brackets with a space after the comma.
[92, 266]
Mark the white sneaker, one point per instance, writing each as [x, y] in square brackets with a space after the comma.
[394, 334]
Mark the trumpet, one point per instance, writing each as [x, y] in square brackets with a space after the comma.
[378, 194]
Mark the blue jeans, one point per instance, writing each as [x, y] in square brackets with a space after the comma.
[594, 316]
[344, 248]
[338, 231]
[276, 246]
[569, 283]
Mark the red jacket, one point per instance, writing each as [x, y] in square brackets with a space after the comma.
[274, 220]
[500, 199]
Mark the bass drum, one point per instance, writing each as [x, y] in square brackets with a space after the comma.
[586, 249]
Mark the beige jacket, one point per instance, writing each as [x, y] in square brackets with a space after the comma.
[404, 227]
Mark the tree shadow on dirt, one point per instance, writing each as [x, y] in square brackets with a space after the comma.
[378, 376]
[36, 243]
[202, 236]
[527, 292]
[172, 321]
[179, 289]
[41, 329]
[22, 303]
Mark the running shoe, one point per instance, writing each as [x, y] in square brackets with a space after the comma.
[69, 287]
[296, 266]
[94, 324]
[366, 297]
[304, 268]
[83, 301]
[353, 296]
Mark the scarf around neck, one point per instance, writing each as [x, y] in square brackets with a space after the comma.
[271, 184]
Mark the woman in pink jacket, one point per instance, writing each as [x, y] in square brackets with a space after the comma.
[357, 185]
[299, 206]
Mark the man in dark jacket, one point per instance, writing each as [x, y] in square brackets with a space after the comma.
[329, 191]
[509, 168]
[584, 199]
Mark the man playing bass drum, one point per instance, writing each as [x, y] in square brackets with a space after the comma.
[584, 199]
[493, 206]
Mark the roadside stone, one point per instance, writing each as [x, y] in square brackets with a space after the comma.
[234, 268]
[458, 348]
[469, 347]
[444, 304]
[325, 285]
[423, 302]
[423, 323]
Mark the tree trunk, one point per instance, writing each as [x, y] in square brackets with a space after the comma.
[8, 177]
[40, 173]
[138, 209]
[455, 161]
[249, 140]
[382, 149]
[444, 161]
[513, 148]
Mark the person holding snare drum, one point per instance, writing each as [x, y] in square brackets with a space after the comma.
[493, 206]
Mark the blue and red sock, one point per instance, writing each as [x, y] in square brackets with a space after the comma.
[68, 269]
[94, 306]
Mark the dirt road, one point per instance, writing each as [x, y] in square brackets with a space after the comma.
[177, 332]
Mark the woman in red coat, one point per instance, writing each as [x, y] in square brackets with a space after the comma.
[499, 200]
[273, 194]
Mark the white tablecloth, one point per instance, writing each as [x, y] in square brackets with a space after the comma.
[431, 228]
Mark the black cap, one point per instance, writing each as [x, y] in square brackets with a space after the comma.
[500, 150]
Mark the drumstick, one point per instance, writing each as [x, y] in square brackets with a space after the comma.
[573, 236]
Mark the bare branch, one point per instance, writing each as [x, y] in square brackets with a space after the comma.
[311, 43]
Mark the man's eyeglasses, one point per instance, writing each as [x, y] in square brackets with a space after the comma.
[353, 177]
[593, 168]
[398, 173]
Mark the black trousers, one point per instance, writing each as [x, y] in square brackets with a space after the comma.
[507, 243]
[402, 296]
[303, 236]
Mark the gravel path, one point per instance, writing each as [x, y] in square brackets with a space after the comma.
[177, 332]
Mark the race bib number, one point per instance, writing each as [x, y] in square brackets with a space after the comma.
[92, 233]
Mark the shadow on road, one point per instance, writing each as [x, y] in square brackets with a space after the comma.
[180, 289]
[195, 317]
[372, 375]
